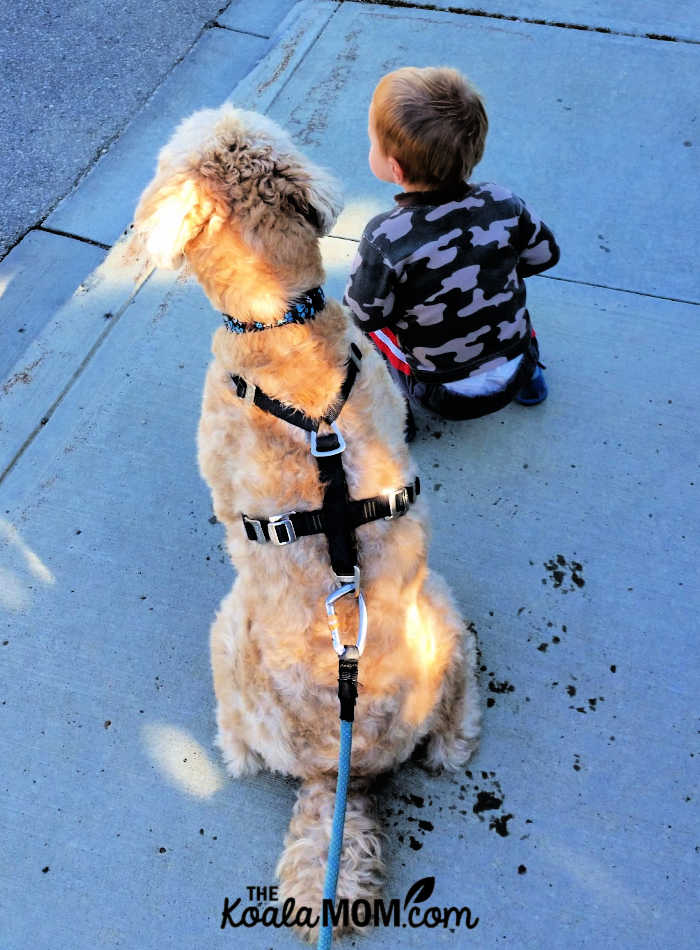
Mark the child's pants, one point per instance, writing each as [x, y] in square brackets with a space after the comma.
[453, 405]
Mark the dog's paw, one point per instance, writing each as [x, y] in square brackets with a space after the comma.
[240, 760]
[448, 752]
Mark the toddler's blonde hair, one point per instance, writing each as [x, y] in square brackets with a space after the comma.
[432, 121]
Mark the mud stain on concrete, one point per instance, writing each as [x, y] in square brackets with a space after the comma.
[564, 575]
[24, 376]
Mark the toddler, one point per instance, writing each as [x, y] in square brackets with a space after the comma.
[438, 280]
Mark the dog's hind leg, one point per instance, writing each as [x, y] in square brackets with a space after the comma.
[240, 759]
[454, 731]
[454, 736]
[302, 867]
[227, 635]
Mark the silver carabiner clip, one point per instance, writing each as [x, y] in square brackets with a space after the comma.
[333, 620]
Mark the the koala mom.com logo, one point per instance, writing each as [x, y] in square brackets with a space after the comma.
[413, 911]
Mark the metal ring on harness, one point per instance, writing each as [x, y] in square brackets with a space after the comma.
[333, 620]
[318, 453]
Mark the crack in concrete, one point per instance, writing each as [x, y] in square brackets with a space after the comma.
[537, 21]
[294, 41]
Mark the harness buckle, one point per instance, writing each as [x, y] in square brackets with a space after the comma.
[281, 521]
[249, 396]
[320, 453]
[361, 617]
[244, 390]
[257, 528]
[398, 503]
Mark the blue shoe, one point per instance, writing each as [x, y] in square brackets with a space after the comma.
[533, 392]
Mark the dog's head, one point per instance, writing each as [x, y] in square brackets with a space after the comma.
[230, 167]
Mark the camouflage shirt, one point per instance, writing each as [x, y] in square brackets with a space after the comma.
[444, 270]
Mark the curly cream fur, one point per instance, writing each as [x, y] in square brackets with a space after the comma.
[234, 199]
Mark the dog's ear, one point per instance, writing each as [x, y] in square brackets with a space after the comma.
[310, 192]
[307, 211]
[172, 211]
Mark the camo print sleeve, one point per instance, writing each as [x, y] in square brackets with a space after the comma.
[540, 250]
[371, 290]
[445, 272]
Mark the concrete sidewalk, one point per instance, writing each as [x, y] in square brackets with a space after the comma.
[576, 825]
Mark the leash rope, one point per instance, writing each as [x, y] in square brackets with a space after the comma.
[348, 657]
[336, 846]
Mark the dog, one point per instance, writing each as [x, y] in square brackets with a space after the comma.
[237, 203]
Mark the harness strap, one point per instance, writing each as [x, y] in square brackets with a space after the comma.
[327, 449]
[287, 528]
[340, 533]
[256, 397]
[339, 516]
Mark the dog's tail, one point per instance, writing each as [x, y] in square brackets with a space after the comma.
[302, 867]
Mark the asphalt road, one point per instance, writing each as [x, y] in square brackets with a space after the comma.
[72, 76]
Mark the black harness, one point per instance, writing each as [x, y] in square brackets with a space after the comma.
[339, 515]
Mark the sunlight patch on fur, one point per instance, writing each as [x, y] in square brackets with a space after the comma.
[182, 760]
[420, 638]
[421, 644]
[165, 236]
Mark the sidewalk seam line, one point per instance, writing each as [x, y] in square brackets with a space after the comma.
[574, 280]
[340, 237]
[536, 21]
[74, 237]
[234, 29]
[622, 290]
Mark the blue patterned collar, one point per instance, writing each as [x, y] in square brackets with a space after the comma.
[301, 309]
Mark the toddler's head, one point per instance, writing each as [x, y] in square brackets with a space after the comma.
[427, 128]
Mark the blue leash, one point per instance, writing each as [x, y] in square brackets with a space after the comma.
[348, 657]
[336, 845]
